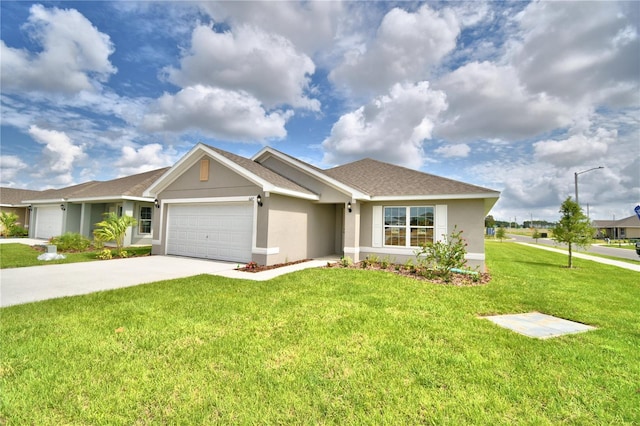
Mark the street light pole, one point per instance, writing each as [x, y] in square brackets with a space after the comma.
[575, 177]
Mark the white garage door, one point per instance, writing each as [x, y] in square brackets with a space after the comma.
[211, 231]
[48, 222]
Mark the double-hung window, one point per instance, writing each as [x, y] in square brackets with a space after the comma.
[144, 224]
[408, 226]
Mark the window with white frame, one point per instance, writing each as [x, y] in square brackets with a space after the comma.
[408, 226]
[144, 224]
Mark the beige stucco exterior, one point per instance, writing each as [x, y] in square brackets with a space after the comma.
[325, 217]
[463, 215]
[220, 185]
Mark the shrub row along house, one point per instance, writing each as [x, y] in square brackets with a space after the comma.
[273, 208]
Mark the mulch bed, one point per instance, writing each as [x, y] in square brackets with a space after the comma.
[457, 279]
[259, 268]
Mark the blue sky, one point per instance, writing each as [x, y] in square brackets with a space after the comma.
[513, 96]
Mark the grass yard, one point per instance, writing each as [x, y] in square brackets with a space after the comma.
[16, 255]
[330, 346]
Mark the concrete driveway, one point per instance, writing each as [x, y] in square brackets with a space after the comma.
[23, 285]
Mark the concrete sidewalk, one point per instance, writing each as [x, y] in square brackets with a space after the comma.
[620, 264]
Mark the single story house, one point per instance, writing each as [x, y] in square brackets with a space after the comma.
[629, 227]
[78, 208]
[274, 208]
[11, 202]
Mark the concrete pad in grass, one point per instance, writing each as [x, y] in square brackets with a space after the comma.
[541, 326]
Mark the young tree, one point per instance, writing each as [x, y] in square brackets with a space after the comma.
[114, 228]
[536, 234]
[574, 227]
[501, 234]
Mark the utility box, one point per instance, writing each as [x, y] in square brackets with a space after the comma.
[52, 249]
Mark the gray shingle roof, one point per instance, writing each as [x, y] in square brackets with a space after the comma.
[128, 186]
[263, 172]
[383, 179]
[14, 196]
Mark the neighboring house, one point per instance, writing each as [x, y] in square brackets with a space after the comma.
[11, 202]
[274, 208]
[629, 227]
[78, 208]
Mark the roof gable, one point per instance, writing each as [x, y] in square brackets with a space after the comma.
[268, 180]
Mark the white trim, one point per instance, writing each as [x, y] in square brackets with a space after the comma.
[345, 189]
[110, 198]
[401, 251]
[427, 197]
[265, 250]
[351, 250]
[411, 251]
[209, 200]
[291, 193]
[377, 226]
[474, 256]
[440, 226]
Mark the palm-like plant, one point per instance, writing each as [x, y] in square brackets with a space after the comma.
[114, 228]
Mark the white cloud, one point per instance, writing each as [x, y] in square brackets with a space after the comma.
[147, 157]
[59, 154]
[74, 56]
[487, 101]
[220, 113]
[265, 65]
[391, 128]
[310, 25]
[406, 46]
[579, 51]
[576, 149]
[10, 165]
[452, 151]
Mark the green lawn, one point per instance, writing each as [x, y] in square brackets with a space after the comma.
[330, 346]
[16, 255]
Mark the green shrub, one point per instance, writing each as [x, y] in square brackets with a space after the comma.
[71, 241]
[346, 262]
[443, 256]
[18, 231]
[104, 254]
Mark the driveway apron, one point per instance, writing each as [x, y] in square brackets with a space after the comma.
[23, 285]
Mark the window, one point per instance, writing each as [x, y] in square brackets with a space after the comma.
[408, 226]
[144, 224]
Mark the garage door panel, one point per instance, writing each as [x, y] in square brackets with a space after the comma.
[214, 231]
[48, 222]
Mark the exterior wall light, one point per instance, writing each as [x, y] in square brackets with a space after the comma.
[156, 203]
[349, 206]
[259, 200]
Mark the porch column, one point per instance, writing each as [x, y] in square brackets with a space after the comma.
[127, 210]
[352, 231]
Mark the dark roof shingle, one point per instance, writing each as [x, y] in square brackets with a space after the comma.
[377, 178]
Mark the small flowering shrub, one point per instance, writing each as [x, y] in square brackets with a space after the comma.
[251, 265]
[443, 256]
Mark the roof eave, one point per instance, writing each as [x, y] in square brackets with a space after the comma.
[485, 195]
[109, 198]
